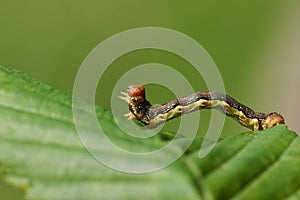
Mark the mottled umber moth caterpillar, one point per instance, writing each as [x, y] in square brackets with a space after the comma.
[152, 116]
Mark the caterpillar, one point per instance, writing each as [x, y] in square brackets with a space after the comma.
[154, 115]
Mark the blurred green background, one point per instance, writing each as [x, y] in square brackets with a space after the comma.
[49, 39]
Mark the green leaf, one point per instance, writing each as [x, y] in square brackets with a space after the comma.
[262, 165]
[41, 154]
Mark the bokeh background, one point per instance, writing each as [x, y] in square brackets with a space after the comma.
[255, 45]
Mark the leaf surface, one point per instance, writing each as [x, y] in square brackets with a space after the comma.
[41, 153]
